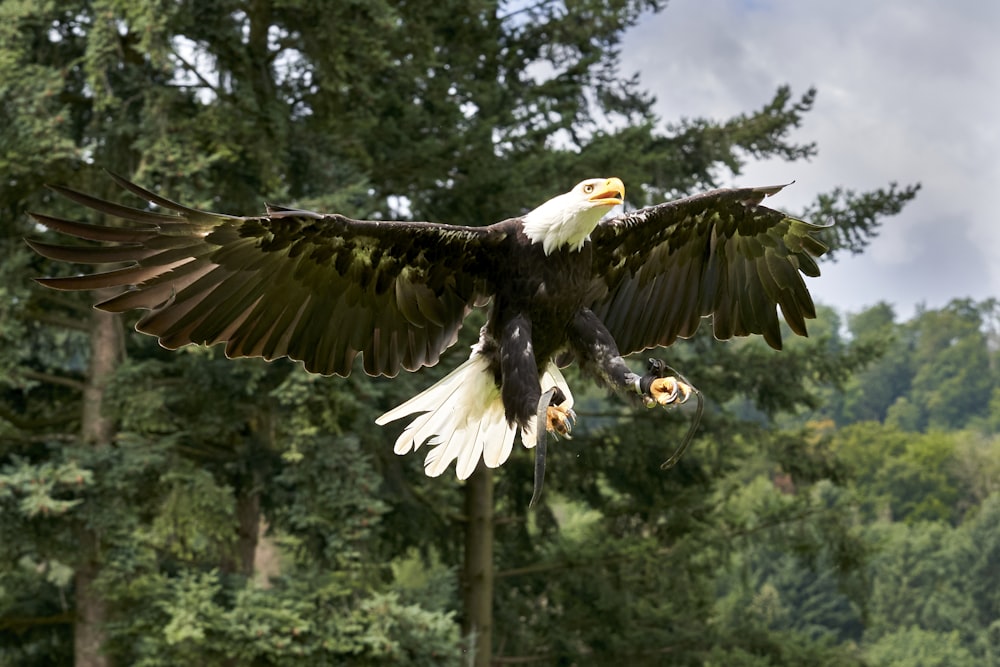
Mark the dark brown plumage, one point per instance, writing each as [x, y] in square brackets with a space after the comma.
[660, 270]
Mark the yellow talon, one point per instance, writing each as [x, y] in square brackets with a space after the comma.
[559, 420]
[669, 391]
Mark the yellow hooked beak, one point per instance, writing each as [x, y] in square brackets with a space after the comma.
[609, 193]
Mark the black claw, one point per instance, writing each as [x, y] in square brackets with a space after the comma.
[541, 433]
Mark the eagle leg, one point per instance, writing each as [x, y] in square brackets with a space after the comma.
[597, 351]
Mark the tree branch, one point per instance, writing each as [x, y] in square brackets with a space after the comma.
[522, 10]
[194, 70]
[60, 321]
[51, 378]
[569, 564]
[22, 623]
[26, 424]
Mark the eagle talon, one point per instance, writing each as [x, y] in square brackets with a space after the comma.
[560, 420]
[668, 391]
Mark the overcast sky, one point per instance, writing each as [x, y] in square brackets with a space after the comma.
[909, 91]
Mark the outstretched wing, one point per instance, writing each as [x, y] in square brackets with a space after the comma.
[316, 288]
[660, 269]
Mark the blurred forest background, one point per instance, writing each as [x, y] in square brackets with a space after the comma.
[839, 506]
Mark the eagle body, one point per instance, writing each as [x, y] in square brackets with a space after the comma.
[539, 291]
[563, 282]
[546, 290]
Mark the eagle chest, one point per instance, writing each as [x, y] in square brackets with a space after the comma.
[548, 289]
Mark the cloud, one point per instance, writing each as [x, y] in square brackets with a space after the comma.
[908, 92]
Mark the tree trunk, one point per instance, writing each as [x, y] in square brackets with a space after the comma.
[477, 571]
[91, 611]
[248, 517]
[98, 430]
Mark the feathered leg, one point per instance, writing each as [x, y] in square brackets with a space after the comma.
[520, 388]
[522, 385]
[661, 385]
[597, 352]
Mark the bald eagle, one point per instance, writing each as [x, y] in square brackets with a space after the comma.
[563, 282]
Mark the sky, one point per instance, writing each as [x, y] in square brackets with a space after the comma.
[908, 91]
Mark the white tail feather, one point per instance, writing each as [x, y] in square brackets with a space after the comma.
[463, 419]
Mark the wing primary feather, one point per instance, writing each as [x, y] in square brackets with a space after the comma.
[191, 214]
[813, 246]
[317, 348]
[162, 323]
[90, 254]
[659, 296]
[643, 308]
[807, 265]
[622, 319]
[116, 210]
[151, 296]
[747, 321]
[132, 275]
[764, 312]
[722, 316]
[91, 232]
[689, 319]
[429, 305]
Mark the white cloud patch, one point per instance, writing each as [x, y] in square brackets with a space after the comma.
[909, 91]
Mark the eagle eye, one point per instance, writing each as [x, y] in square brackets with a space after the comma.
[588, 188]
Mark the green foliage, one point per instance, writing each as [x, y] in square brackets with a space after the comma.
[41, 490]
[36, 117]
[194, 522]
[910, 476]
[310, 619]
[921, 648]
[934, 599]
[937, 371]
[858, 215]
[952, 380]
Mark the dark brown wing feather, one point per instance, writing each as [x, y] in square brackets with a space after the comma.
[660, 269]
[316, 288]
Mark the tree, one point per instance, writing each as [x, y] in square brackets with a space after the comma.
[953, 382]
[99, 82]
[936, 371]
[934, 594]
[870, 393]
[914, 646]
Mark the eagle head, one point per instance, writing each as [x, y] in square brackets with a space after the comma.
[568, 219]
